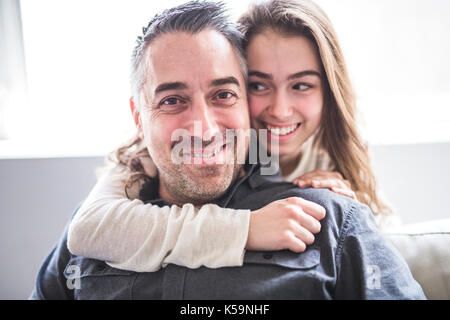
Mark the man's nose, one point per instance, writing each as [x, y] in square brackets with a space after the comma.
[203, 122]
[280, 106]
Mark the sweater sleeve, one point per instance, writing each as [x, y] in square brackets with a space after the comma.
[131, 235]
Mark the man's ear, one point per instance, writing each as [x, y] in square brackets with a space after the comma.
[137, 118]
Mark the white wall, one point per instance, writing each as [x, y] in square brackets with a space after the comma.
[38, 197]
[396, 51]
[414, 179]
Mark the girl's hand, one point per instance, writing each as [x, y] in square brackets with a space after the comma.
[326, 179]
[284, 224]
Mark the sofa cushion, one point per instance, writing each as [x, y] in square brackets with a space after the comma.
[426, 248]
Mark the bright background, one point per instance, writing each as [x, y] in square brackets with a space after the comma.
[77, 64]
[76, 109]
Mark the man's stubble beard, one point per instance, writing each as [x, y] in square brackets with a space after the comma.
[184, 187]
[185, 183]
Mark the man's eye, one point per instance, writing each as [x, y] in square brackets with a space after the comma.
[225, 97]
[170, 101]
[301, 86]
[172, 105]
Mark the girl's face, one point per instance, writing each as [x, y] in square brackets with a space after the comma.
[285, 89]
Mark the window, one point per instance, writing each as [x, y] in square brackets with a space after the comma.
[77, 56]
[397, 54]
[12, 63]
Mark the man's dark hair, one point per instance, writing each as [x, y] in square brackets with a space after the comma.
[192, 17]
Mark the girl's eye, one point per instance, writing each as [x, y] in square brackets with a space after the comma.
[256, 86]
[225, 98]
[301, 86]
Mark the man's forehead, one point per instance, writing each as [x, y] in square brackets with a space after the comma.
[205, 40]
[184, 57]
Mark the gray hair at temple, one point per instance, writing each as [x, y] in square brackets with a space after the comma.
[192, 17]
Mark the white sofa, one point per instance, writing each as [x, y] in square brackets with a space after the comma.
[426, 248]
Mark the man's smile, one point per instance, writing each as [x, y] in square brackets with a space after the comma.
[206, 156]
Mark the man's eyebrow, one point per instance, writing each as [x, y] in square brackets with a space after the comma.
[267, 76]
[304, 73]
[170, 86]
[222, 81]
[260, 74]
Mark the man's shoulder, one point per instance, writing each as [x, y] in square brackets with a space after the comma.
[343, 214]
[269, 188]
[273, 191]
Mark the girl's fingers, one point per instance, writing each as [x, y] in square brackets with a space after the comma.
[321, 174]
[336, 185]
[311, 208]
[308, 179]
[295, 244]
[304, 235]
[326, 179]
[347, 183]
[330, 183]
[309, 222]
[338, 175]
[301, 183]
[345, 192]
[312, 176]
[306, 183]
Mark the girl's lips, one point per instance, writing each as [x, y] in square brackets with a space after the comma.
[281, 132]
[275, 125]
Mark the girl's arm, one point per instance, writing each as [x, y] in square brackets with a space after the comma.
[142, 237]
[131, 235]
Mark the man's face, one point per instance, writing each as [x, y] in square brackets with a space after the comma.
[194, 84]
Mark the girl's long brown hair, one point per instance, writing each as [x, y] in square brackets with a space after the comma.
[131, 156]
[338, 133]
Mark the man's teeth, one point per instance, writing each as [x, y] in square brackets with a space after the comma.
[207, 155]
[282, 131]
